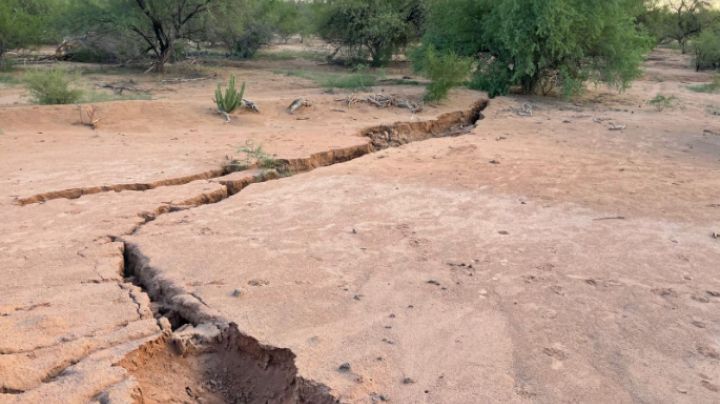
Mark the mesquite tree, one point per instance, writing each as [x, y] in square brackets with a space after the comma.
[20, 24]
[161, 23]
[158, 24]
[379, 27]
[541, 45]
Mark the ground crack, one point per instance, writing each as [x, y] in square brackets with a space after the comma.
[381, 137]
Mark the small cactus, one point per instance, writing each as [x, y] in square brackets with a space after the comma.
[229, 100]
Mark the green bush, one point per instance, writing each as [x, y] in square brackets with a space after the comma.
[379, 27]
[711, 87]
[51, 87]
[707, 50]
[661, 102]
[446, 70]
[243, 27]
[229, 100]
[20, 24]
[361, 79]
[537, 45]
[248, 42]
[255, 156]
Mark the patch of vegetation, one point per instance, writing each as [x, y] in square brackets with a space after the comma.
[21, 24]
[538, 45]
[284, 55]
[677, 21]
[229, 100]
[446, 71]
[110, 70]
[707, 49]
[662, 102]
[712, 87]
[52, 86]
[8, 79]
[375, 27]
[400, 82]
[93, 96]
[255, 156]
[361, 79]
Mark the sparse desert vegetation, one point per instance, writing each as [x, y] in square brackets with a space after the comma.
[442, 201]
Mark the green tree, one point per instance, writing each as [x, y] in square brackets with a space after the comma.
[286, 19]
[159, 24]
[538, 45]
[242, 26]
[20, 25]
[379, 27]
[707, 49]
[685, 20]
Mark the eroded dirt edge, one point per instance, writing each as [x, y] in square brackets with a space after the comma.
[380, 137]
[210, 359]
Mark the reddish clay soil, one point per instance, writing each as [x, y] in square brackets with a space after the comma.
[552, 251]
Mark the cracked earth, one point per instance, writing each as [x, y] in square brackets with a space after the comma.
[451, 256]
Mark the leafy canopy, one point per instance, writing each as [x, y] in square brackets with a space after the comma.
[20, 24]
[379, 27]
[540, 44]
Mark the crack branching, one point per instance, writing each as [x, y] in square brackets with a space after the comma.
[235, 366]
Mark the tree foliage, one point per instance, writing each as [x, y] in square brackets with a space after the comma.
[21, 24]
[679, 20]
[160, 25]
[707, 49]
[541, 44]
[241, 26]
[445, 70]
[379, 27]
[51, 87]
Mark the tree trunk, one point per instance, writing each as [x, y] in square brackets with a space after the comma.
[166, 52]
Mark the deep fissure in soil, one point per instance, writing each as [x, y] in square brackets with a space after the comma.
[204, 358]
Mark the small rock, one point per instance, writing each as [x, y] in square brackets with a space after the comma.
[258, 282]
[682, 390]
[433, 282]
[344, 367]
[494, 162]
[237, 293]
[408, 380]
[378, 397]
[164, 324]
[503, 232]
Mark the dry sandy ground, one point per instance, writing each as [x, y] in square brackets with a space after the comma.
[542, 258]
